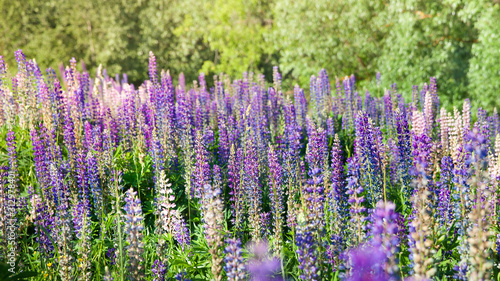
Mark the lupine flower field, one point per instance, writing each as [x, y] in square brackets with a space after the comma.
[175, 180]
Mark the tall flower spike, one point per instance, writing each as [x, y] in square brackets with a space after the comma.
[235, 263]
[384, 232]
[480, 235]
[213, 216]
[134, 225]
[275, 183]
[164, 210]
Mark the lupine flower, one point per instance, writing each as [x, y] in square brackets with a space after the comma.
[133, 219]
[213, 217]
[307, 252]
[235, 263]
[384, 232]
[355, 190]
[202, 168]
[367, 150]
[158, 271]
[275, 183]
[367, 264]
[252, 186]
[480, 234]
[262, 267]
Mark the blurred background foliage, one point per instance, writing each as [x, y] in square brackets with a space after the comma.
[458, 41]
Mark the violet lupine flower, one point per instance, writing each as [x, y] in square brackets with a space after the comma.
[21, 61]
[337, 191]
[379, 79]
[275, 184]
[94, 182]
[3, 70]
[422, 145]
[252, 185]
[300, 106]
[444, 190]
[153, 77]
[235, 263]
[41, 158]
[479, 233]
[181, 231]
[111, 255]
[182, 276]
[368, 154]
[134, 226]
[367, 264]
[82, 227]
[201, 171]
[317, 147]
[236, 191]
[44, 222]
[330, 127]
[158, 270]
[388, 110]
[404, 150]
[384, 232]
[307, 252]
[261, 267]
[355, 190]
[224, 144]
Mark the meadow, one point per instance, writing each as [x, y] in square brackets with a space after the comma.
[247, 180]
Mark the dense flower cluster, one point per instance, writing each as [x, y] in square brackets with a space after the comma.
[169, 180]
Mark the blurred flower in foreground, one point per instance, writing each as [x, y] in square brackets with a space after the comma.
[261, 266]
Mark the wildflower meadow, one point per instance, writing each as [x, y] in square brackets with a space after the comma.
[246, 180]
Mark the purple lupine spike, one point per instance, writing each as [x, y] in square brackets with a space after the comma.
[94, 183]
[388, 110]
[422, 145]
[444, 190]
[338, 191]
[329, 127]
[81, 178]
[202, 169]
[181, 232]
[153, 74]
[158, 270]
[367, 151]
[384, 232]
[261, 267]
[235, 188]
[251, 184]
[317, 147]
[404, 149]
[379, 79]
[3, 69]
[235, 263]
[276, 194]
[41, 158]
[44, 221]
[307, 251]
[354, 190]
[367, 263]
[21, 61]
[224, 148]
[300, 106]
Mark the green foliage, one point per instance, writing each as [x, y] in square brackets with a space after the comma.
[484, 71]
[406, 40]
